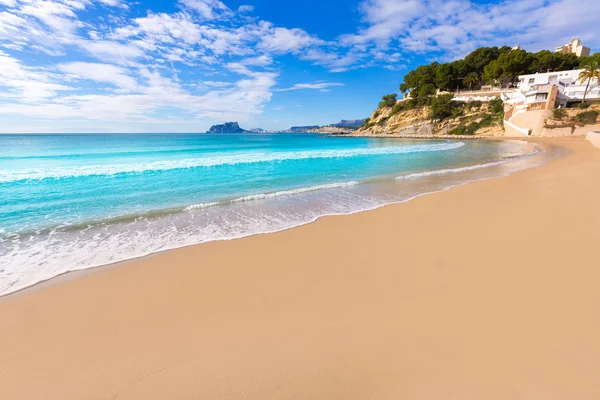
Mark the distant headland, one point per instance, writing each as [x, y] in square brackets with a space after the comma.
[227, 127]
[340, 127]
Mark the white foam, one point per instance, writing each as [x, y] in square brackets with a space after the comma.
[290, 192]
[271, 195]
[201, 205]
[446, 171]
[246, 158]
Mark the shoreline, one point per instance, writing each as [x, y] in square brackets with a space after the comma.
[541, 151]
[428, 136]
[353, 307]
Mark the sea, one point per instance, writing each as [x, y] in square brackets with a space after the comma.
[75, 201]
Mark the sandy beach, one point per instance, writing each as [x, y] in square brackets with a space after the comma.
[487, 291]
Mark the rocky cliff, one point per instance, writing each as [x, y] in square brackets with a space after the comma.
[331, 129]
[228, 127]
[572, 122]
[474, 118]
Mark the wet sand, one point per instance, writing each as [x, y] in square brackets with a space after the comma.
[486, 291]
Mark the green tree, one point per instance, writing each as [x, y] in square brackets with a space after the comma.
[423, 75]
[591, 71]
[389, 100]
[445, 76]
[492, 72]
[471, 79]
[567, 62]
[585, 60]
[442, 106]
[545, 61]
[424, 93]
[515, 63]
[479, 58]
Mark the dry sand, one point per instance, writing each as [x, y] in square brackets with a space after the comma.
[487, 291]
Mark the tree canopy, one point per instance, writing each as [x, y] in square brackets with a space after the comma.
[389, 100]
[486, 65]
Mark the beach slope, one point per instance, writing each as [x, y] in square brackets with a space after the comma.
[486, 291]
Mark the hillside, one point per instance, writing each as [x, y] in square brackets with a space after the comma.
[443, 117]
[427, 107]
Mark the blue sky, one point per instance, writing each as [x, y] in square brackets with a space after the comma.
[183, 65]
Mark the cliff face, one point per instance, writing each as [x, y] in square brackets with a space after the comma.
[477, 118]
[228, 127]
[405, 122]
[572, 122]
[331, 129]
[350, 123]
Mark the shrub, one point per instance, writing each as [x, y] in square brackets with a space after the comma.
[497, 106]
[382, 121]
[389, 100]
[558, 113]
[376, 114]
[459, 130]
[397, 108]
[583, 106]
[425, 94]
[410, 104]
[475, 104]
[471, 128]
[486, 121]
[587, 117]
[442, 106]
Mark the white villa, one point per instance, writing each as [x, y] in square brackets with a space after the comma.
[561, 88]
[528, 107]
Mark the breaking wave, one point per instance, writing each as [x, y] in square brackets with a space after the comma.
[247, 158]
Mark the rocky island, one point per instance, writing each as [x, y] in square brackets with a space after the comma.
[227, 127]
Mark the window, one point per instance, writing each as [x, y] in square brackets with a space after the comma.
[531, 80]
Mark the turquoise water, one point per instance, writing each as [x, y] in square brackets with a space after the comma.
[70, 202]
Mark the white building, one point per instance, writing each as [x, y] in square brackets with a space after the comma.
[535, 89]
[574, 47]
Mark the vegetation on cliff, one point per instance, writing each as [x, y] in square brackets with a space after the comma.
[486, 65]
[425, 87]
[574, 120]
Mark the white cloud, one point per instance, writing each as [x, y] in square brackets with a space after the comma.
[99, 73]
[206, 60]
[322, 86]
[25, 84]
[216, 83]
[111, 51]
[283, 40]
[458, 26]
[209, 9]
[140, 61]
[245, 9]
[58, 16]
[335, 61]
[112, 3]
